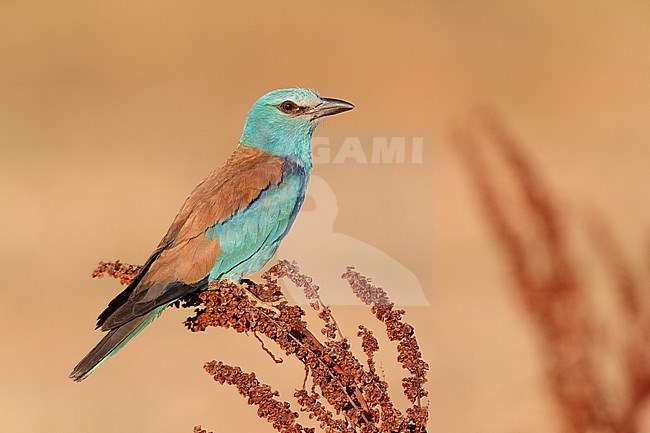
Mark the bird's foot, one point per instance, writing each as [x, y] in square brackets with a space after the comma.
[246, 286]
[267, 305]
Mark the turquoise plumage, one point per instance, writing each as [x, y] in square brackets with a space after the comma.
[276, 208]
[231, 224]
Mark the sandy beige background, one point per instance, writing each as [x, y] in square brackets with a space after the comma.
[110, 112]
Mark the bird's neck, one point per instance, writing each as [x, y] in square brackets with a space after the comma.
[293, 145]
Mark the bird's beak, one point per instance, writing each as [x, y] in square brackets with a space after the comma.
[329, 107]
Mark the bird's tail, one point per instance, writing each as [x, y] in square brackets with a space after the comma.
[111, 344]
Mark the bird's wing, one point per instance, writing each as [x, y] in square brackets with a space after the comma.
[186, 255]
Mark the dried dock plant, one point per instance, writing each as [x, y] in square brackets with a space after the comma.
[339, 392]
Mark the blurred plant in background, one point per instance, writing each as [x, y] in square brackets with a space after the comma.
[535, 236]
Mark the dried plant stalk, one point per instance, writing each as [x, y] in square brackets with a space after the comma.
[358, 397]
[122, 271]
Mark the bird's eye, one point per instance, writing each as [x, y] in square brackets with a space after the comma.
[288, 107]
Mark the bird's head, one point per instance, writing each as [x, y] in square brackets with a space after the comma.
[283, 121]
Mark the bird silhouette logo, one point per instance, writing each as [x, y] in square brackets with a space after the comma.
[324, 254]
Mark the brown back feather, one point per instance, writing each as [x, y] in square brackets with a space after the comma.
[184, 256]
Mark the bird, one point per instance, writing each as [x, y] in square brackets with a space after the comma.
[231, 224]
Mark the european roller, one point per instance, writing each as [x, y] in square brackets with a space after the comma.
[231, 224]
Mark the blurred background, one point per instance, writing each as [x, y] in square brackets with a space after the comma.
[111, 112]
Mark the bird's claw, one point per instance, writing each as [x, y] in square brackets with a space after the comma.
[267, 305]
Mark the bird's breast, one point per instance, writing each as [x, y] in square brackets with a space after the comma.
[250, 237]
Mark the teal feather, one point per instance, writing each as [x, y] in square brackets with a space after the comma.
[115, 340]
[250, 238]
